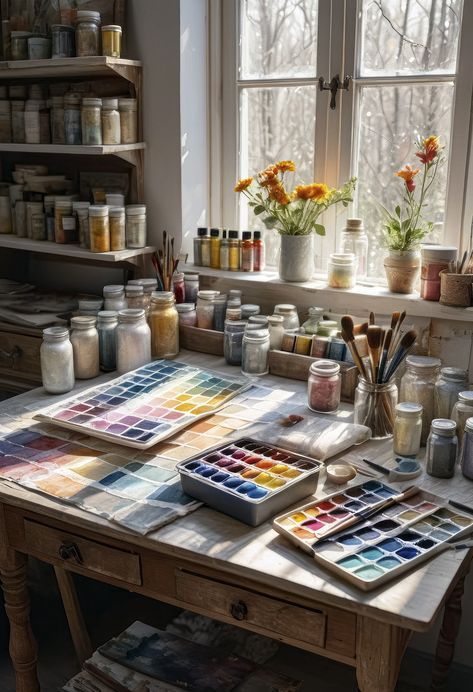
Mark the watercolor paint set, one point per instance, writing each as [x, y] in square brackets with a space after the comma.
[146, 405]
[381, 548]
[248, 479]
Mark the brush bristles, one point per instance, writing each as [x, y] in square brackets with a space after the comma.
[375, 336]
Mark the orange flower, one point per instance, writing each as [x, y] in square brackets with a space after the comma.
[269, 176]
[430, 149]
[316, 191]
[407, 174]
[279, 194]
[283, 166]
[243, 184]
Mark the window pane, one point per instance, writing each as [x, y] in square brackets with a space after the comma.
[278, 38]
[409, 36]
[390, 118]
[276, 123]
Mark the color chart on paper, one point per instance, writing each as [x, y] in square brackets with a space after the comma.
[381, 548]
[146, 405]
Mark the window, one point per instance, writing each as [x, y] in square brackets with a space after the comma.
[411, 76]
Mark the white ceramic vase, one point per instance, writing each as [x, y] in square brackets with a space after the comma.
[296, 259]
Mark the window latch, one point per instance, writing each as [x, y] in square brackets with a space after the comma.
[333, 86]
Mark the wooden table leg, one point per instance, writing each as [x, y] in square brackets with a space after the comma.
[447, 636]
[379, 651]
[79, 634]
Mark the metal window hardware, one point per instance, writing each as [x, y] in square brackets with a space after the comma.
[333, 86]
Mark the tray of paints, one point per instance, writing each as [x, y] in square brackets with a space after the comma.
[146, 405]
[248, 479]
[378, 549]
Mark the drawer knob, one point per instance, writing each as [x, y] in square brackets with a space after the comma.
[239, 610]
[70, 551]
[12, 355]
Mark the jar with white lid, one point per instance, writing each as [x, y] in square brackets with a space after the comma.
[117, 228]
[107, 323]
[110, 121]
[91, 121]
[341, 269]
[178, 287]
[87, 33]
[111, 40]
[127, 108]
[58, 131]
[5, 122]
[206, 308]
[81, 210]
[187, 314]
[324, 386]
[135, 225]
[135, 297]
[434, 259]
[17, 122]
[248, 309]
[462, 410]
[311, 324]
[133, 340]
[290, 316]
[233, 313]
[220, 311]
[353, 240]
[407, 429]
[114, 297]
[164, 324]
[115, 199]
[255, 353]
[418, 386]
[191, 284]
[85, 345]
[441, 451]
[450, 383]
[235, 294]
[99, 228]
[72, 118]
[57, 361]
[276, 331]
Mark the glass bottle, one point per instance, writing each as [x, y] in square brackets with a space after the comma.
[164, 323]
[135, 297]
[311, 324]
[128, 109]
[110, 121]
[187, 314]
[99, 228]
[57, 361]
[133, 340]
[224, 254]
[234, 251]
[215, 248]
[191, 283]
[247, 252]
[206, 309]
[91, 121]
[178, 287]
[341, 269]
[116, 216]
[62, 41]
[114, 297]
[276, 331]
[72, 118]
[418, 386]
[85, 344]
[81, 211]
[62, 207]
[201, 233]
[324, 386]
[374, 407]
[353, 240]
[111, 40]
[259, 254]
[462, 410]
[289, 313]
[205, 250]
[233, 341]
[466, 454]
[407, 429]
[220, 310]
[107, 323]
[135, 230]
[87, 33]
[255, 353]
[441, 451]
[450, 383]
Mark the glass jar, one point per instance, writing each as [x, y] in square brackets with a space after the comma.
[127, 108]
[178, 287]
[72, 118]
[91, 121]
[441, 451]
[418, 386]
[111, 40]
[434, 259]
[57, 361]
[215, 243]
[233, 313]
[276, 331]
[5, 122]
[62, 207]
[99, 228]
[114, 297]
[205, 250]
[290, 316]
[234, 295]
[466, 454]
[220, 311]
[81, 210]
[135, 225]
[85, 344]
[233, 341]
[224, 259]
[249, 309]
[164, 323]
[407, 429]
[110, 121]
[39, 48]
[327, 328]
[116, 217]
[255, 353]
[38, 227]
[341, 269]
[135, 297]
[18, 122]
[259, 254]
[311, 324]
[353, 240]
[107, 323]
[62, 41]
[324, 386]
[133, 340]
[149, 286]
[205, 309]
[187, 314]
[87, 33]
[191, 283]
[234, 251]
[19, 45]
[247, 252]
[58, 132]
[201, 233]
[374, 407]
[451, 382]
[461, 411]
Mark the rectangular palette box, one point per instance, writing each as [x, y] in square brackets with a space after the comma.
[248, 479]
[381, 548]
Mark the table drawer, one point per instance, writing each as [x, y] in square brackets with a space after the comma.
[82, 553]
[19, 355]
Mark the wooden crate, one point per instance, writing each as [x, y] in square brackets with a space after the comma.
[296, 367]
[202, 340]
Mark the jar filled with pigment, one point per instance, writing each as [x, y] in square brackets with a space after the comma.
[324, 386]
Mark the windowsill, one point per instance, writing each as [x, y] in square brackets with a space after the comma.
[354, 300]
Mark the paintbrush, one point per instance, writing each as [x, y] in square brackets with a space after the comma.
[371, 319]
[397, 335]
[349, 339]
[462, 263]
[403, 349]
[366, 513]
[459, 505]
[375, 340]
[394, 320]
[360, 329]
[384, 357]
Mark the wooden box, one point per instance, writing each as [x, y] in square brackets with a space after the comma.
[202, 340]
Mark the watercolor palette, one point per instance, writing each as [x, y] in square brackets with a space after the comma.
[146, 405]
[381, 548]
[248, 479]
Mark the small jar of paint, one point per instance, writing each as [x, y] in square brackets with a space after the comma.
[418, 386]
[133, 340]
[136, 226]
[249, 309]
[255, 353]
[466, 454]
[341, 269]
[233, 341]
[191, 283]
[324, 386]
[178, 287]
[57, 361]
[289, 313]
[220, 311]
[187, 314]
[311, 324]
[247, 252]
[107, 323]
[276, 331]
[164, 323]
[91, 120]
[461, 411]
[111, 40]
[205, 309]
[327, 328]
[114, 297]
[85, 344]
[233, 313]
[135, 297]
[441, 451]
[450, 383]
[87, 33]
[407, 429]
[63, 43]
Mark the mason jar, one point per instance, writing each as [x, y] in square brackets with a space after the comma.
[462, 410]
[87, 33]
[57, 361]
[135, 297]
[418, 386]
[311, 324]
[114, 297]
[206, 308]
[276, 331]
[135, 225]
[85, 344]
[450, 383]
[249, 309]
[324, 386]
[466, 454]
[107, 323]
[133, 340]
[290, 316]
[407, 429]
[441, 451]
[164, 323]
[233, 341]
[91, 120]
[110, 121]
[187, 314]
[191, 283]
[255, 353]
[374, 407]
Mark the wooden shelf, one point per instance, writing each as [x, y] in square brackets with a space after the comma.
[59, 68]
[77, 149]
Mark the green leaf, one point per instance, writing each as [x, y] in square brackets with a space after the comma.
[259, 209]
[319, 229]
[270, 222]
[398, 211]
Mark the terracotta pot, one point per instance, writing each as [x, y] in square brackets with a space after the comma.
[402, 269]
[296, 259]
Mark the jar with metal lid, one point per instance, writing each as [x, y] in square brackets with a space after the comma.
[111, 40]
[87, 33]
[128, 120]
[5, 122]
[72, 118]
[135, 225]
[58, 131]
[191, 284]
[187, 314]
[110, 121]
[235, 294]
[418, 386]
[5, 216]
[85, 344]
[276, 331]
[205, 309]
[450, 383]
[117, 228]
[462, 410]
[353, 240]
[311, 324]
[149, 286]
[441, 451]
[255, 353]
[164, 323]
[324, 386]
[114, 297]
[289, 313]
[91, 120]
[233, 341]
[62, 41]
[466, 453]
[133, 340]
[17, 122]
[107, 323]
[178, 287]
[81, 211]
[341, 269]
[57, 361]
[407, 429]
[39, 48]
[135, 297]
[62, 207]
[19, 45]
[327, 328]
[434, 259]
[249, 309]
[99, 228]
[374, 407]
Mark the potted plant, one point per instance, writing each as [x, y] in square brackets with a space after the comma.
[294, 215]
[405, 228]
